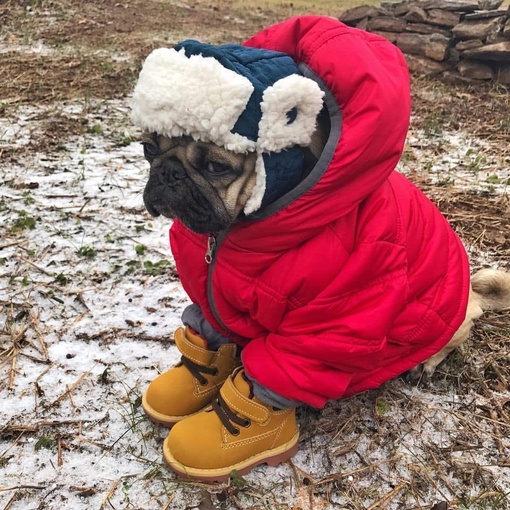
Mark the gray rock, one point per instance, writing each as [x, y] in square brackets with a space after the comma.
[403, 7]
[475, 69]
[362, 24]
[499, 51]
[455, 77]
[477, 29]
[386, 24]
[391, 36]
[422, 65]
[351, 16]
[451, 5]
[470, 44]
[485, 14]
[434, 46]
[443, 18]
[496, 38]
[489, 5]
[416, 15]
[423, 28]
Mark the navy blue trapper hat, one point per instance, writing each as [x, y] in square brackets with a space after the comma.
[244, 99]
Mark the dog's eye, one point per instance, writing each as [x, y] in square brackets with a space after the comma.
[150, 151]
[216, 168]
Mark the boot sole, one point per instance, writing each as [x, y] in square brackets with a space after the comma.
[270, 457]
[163, 419]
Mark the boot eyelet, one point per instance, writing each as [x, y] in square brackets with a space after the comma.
[205, 382]
[236, 432]
[216, 372]
[246, 423]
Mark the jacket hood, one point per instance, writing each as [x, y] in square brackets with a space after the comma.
[366, 85]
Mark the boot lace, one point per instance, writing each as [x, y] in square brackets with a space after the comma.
[226, 416]
[198, 370]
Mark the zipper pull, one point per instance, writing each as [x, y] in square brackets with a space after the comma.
[211, 246]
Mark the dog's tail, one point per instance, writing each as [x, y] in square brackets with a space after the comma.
[492, 288]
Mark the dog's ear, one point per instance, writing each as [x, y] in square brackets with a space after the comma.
[313, 152]
[321, 134]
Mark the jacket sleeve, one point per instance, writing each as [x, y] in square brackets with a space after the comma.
[320, 347]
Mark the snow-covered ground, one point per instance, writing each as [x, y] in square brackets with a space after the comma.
[456, 160]
[89, 301]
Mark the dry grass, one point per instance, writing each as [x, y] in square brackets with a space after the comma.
[296, 7]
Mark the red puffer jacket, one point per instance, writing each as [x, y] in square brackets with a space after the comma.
[354, 277]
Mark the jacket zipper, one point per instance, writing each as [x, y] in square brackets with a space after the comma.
[211, 248]
[214, 241]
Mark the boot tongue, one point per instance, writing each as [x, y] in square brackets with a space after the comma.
[195, 338]
[243, 385]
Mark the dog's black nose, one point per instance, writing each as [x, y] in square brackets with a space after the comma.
[172, 170]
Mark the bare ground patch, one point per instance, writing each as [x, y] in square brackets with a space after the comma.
[36, 79]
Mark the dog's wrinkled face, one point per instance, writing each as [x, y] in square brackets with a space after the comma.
[205, 185]
[201, 184]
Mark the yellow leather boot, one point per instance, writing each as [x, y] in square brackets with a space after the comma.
[236, 433]
[193, 383]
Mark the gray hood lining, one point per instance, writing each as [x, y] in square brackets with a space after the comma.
[325, 159]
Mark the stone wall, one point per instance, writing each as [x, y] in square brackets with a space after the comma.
[459, 39]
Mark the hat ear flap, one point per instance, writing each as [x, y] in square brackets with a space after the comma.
[289, 112]
[276, 174]
[255, 201]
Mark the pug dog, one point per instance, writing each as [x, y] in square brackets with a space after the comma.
[204, 185]
[196, 178]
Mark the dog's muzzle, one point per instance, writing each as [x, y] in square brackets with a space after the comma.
[163, 186]
[170, 192]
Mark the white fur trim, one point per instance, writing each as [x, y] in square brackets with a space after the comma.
[197, 96]
[275, 132]
[294, 91]
[257, 194]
